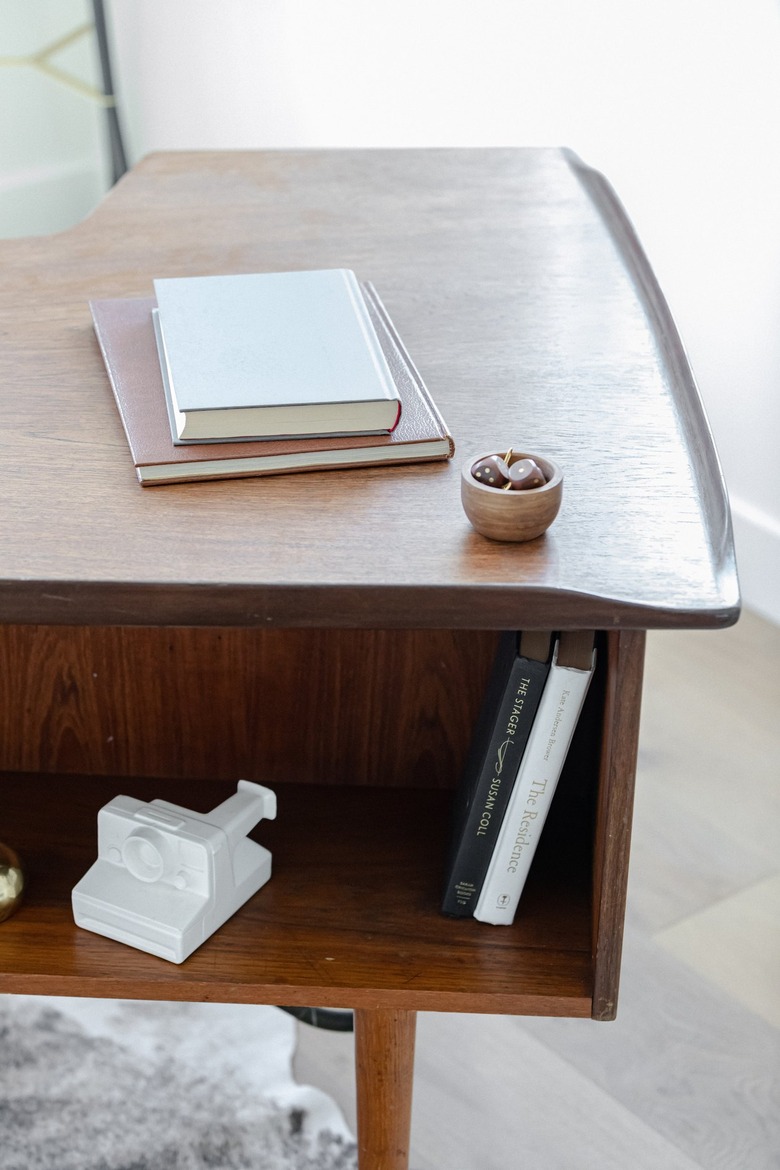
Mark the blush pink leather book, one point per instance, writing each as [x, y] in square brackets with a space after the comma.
[125, 334]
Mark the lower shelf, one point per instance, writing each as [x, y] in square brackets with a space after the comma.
[350, 917]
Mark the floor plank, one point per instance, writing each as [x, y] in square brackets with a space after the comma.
[517, 1092]
[736, 944]
[684, 1058]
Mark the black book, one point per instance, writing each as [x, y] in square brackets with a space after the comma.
[501, 733]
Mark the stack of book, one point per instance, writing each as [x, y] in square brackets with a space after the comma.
[261, 373]
[532, 704]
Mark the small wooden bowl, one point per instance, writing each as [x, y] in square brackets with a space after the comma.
[511, 515]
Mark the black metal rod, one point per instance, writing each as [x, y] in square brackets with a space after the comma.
[118, 159]
[333, 1019]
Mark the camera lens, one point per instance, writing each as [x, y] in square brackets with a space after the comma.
[144, 855]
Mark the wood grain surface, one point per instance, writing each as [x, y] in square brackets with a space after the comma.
[350, 916]
[532, 315]
[320, 706]
[384, 1060]
[391, 711]
[613, 814]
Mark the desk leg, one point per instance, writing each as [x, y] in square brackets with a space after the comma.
[384, 1058]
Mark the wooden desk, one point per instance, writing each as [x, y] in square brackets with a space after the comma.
[330, 633]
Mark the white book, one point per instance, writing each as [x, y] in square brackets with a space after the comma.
[537, 777]
[272, 354]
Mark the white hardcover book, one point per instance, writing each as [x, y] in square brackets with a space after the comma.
[536, 780]
[272, 354]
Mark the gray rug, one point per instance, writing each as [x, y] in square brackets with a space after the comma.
[118, 1085]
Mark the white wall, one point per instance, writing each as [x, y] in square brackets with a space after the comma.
[678, 101]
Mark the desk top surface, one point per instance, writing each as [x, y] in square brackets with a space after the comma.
[525, 301]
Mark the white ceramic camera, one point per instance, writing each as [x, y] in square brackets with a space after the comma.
[166, 878]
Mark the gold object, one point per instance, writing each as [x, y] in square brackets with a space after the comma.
[43, 63]
[11, 881]
[508, 460]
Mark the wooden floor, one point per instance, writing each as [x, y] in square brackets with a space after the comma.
[689, 1074]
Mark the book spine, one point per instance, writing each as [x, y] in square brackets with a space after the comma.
[399, 353]
[373, 344]
[532, 794]
[490, 788]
